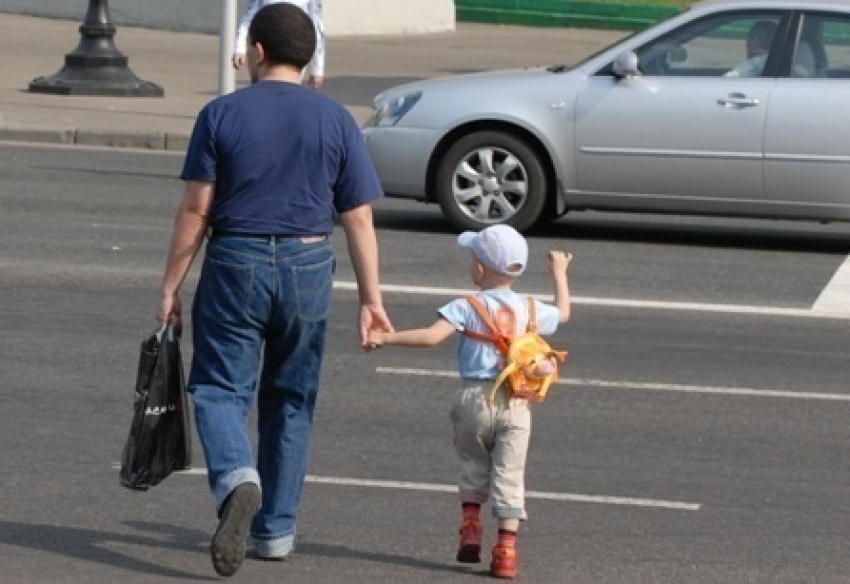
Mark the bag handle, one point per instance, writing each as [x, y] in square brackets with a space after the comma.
[168, 332]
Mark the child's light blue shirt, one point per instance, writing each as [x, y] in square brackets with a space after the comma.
[482, 360]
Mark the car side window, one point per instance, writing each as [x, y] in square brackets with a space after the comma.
[736, 45]
[823, 48]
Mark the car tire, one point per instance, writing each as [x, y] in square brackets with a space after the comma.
[492, 177]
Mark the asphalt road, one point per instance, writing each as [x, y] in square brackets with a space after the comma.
[701, 435]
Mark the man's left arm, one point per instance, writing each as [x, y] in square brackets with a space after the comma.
[363, 251]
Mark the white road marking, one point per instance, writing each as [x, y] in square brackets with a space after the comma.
[441, 488]
[530, 494]
[741, 391]
[835, 297]
[834, 302]
[641, 304]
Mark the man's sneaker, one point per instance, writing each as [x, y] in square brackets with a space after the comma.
[230, 540]
[504, 562]
[469, 550]
[273, 550]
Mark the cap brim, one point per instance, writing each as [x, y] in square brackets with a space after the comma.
[466, 238]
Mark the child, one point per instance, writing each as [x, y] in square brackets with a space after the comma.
[491, 440]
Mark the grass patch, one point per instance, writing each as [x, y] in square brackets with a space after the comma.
[614, 14]
[673, 3]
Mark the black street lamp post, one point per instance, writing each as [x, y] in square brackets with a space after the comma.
[96, 67]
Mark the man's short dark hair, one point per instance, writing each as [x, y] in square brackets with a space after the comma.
[287, 34]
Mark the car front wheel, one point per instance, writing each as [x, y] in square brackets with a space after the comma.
[487, 178]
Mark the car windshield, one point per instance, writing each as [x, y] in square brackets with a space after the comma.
[627, 37]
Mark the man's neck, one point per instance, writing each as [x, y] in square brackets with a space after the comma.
[281, 73]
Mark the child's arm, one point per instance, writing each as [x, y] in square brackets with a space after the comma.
[417, 338]
[559, 261]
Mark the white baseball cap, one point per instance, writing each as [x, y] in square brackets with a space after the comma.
[499, 247]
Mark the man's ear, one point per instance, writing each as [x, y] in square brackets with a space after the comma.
[261, 52]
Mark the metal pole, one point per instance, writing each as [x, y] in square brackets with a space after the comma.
[227, 36]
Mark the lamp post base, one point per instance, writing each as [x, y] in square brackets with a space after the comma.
[103, 80]
[96, 67]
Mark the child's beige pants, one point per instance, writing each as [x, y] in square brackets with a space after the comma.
[492, 444]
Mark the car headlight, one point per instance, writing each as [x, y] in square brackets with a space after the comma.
[389, 112]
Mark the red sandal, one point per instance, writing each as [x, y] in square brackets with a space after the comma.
[504, 564]
[469, 550]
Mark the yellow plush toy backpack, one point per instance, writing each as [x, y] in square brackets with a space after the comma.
[531, 365]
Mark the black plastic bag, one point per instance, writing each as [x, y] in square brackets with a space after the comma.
[160, 439]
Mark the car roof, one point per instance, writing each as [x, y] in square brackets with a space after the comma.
[799, 4]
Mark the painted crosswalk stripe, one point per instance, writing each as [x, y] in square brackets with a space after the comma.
[816, 312]
[835, 297]
[570, 497]
[444, 488]
[641, 386]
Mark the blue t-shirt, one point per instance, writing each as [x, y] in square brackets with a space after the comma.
[482, 360]
[283, 159]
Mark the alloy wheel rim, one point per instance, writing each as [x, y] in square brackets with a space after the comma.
[490, 185]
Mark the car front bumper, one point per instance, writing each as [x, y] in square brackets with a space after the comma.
[401, 157]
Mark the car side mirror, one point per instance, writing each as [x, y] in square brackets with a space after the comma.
[625, 65]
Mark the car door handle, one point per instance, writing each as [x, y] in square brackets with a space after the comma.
[738, 100]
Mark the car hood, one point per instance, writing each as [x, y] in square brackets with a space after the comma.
[490, 80]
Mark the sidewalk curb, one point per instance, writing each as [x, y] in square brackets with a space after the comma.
[93, 137]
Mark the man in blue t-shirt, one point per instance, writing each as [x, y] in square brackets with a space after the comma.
[267, 169]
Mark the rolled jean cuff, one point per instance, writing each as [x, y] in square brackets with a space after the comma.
[509, 513]
[228, 482]
[279, 547]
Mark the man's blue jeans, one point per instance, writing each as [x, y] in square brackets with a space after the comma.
[259, 320]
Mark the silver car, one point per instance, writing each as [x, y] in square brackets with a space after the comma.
[734, 108]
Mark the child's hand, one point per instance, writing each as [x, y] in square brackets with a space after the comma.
[376, 339]
[559, 261]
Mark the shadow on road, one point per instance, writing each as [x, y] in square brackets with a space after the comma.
[93, 546]
[687, 231]
[338, 551]
[768, 235]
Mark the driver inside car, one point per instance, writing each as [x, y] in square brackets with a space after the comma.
[759, 40]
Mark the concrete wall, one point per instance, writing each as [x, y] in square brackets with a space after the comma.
[350, 17]
[342, 17]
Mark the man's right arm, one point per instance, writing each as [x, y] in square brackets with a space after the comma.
[190, 225]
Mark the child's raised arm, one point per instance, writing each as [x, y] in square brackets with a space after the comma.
[559, 262]
[422, 338]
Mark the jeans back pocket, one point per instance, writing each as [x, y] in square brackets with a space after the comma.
[313, 289]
